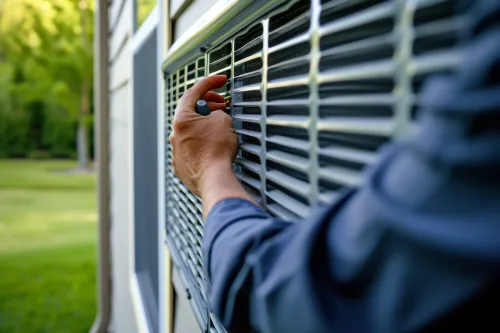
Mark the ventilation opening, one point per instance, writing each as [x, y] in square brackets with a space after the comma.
[335, 10]
[356, 87]
[295, 92]
[291, 52]
[437, 11]
[356, 141]
[220, 59]
[289, 110]
[248, 44]
[289, 68]
[201, 67]
[372, 29]
[289, 204]
[289, 24]
[357, 111]
[248, 67]
[191, 71]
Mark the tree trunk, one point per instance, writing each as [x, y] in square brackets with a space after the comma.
[82, 133]
[81, 143]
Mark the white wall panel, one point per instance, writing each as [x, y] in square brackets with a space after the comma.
[120, 71]
[120, 32]
[123, 316]
[190, 15]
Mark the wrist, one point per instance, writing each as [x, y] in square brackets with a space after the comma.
[213, 173]
[220, 183]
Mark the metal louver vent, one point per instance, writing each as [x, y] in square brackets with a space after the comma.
[317, 87]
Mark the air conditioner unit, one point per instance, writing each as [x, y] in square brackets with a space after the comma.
[317, 88]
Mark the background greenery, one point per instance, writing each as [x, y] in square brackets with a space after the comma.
[142, 10]
[46, 75]
[47, 247]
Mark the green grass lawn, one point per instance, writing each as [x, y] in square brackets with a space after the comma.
[47, 247]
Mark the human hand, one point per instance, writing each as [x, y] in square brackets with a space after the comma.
[202, 146]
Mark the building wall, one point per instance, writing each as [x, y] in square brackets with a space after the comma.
[189, 16]
[123, 319]
[125, 316]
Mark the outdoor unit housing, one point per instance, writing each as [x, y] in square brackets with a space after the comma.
[317, 88]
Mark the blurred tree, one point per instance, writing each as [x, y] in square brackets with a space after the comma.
[48, 44]
[143, 8]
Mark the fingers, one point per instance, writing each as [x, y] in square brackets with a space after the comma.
[223, 117]
[202, 87]
[215, 101]
[212, 96]
[216, 106]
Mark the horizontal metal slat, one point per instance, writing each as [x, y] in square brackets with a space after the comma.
[444, 26]
[249, 118]
[254, 134]
[366, 16]
[288, 202]
[349, 154]
[340, 175]
[376, 69]
[291, 42]
[250, 44]
[360, 46]
[436, 61]
[248, 74]
[288, 182]
[289, 142]
[247, 59]
[290, 62]
[289, 102]
[288, 121]
[289, 160]
[360, 100]
[250, 87]
[246, 104]
[288, 82]
[373, 126]
[222, 70]
[249, 180]
[219, 60]
[252, 166]
[282, 212]
[251, 148]
[290, 25]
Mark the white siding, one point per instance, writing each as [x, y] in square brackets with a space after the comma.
[191, 14]
[123, 319]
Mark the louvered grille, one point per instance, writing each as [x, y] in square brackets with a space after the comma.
[317, 87]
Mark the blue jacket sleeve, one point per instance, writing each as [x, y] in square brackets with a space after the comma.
[416, 240]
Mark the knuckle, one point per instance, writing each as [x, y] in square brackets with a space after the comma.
[178, 125]
[228, 119]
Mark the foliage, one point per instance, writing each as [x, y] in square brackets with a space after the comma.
[143, 8]
[43, 40]
[14, 134]
[59, 132]
[46, 57]
[37, 131]
[47, 247]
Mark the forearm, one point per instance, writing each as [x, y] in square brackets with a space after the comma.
[220, 183]
[234, 228]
